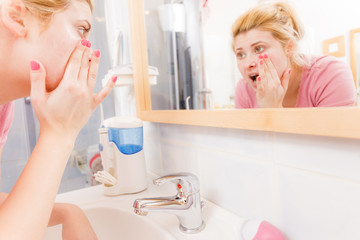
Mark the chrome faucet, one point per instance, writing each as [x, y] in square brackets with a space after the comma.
[186, 204]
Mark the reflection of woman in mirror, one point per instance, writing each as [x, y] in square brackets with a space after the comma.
[45, 54]
[275, 74]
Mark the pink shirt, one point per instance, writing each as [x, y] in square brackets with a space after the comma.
[325, 82]
[6, 118]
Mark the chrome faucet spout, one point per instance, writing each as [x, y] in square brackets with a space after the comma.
[159, 204]
[186, 204]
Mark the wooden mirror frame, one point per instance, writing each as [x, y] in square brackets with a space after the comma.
[353, 53]
[335, 122]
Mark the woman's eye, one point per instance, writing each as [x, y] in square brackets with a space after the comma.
[84, 31]
[240, 55]
[259, 49]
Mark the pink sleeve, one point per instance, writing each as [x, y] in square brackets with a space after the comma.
[245, 96]
[334, 85]
[6, 118]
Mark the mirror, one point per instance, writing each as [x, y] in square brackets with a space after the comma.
[190, 43]
[336, 122]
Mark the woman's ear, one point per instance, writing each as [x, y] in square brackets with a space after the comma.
[13, 17]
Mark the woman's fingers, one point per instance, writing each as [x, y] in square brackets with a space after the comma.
[67, 108]
[271, 71]
[74, 63]
[100, 96]
[270, 90]
[37, 78]
[285, 79]
[94, 66]
[84, 66]
[259, 86]
[262, 72]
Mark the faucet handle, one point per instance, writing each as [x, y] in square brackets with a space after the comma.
[185, 181]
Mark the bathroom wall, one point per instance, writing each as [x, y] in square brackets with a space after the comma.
[308, 186]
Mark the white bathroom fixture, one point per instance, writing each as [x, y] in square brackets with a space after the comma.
[113, 218]
[186, 204]
[122, 155]
[124, 97]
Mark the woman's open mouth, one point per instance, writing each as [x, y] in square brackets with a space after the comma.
[253, 77]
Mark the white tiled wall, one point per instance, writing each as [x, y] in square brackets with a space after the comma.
[307, 186]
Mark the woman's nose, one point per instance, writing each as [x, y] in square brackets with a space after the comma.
[251, 61]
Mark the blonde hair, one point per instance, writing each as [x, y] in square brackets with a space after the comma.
[278, 18]
[45, 9]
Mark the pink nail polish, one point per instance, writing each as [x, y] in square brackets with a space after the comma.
[261, 62]
[265, 56]
[289, 71]
[88, 44]
[97, 53]
[34, 65]
[260, 56]
[259, 79]
[114, 78]
[84, 42]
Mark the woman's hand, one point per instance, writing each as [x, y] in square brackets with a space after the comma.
[75, 225]
[66, 109]
[270, 90]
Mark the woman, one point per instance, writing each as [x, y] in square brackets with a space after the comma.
[45, 55]
[275, 74]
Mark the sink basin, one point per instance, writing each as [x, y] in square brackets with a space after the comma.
[113, 218]
[114, 224]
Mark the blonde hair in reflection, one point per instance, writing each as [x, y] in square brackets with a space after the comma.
[45, 9]
[278, 18]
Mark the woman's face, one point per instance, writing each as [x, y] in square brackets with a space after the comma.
[249, 45]
[54, 45]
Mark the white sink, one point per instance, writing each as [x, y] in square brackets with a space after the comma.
[113, 224]
[113, 218]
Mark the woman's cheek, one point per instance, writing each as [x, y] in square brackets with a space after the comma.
[59, 65]
[281, 63]
[282, 69]
[277, 63]
[241, 68]
[56, 70]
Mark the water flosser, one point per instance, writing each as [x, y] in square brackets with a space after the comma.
[122, 154]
